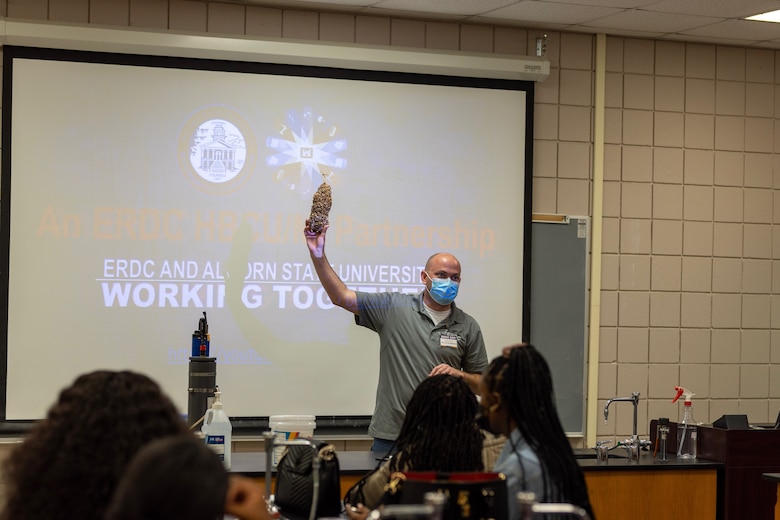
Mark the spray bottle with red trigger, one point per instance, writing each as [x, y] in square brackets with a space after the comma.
[687, 427]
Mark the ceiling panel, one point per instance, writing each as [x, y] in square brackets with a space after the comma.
[562, 14]
[651, 21]
[460, 7]
[717, 21]
[722, 8]
[739, 29]
[622, 4]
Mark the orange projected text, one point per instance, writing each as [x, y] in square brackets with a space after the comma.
[221, 225]
[459, 235]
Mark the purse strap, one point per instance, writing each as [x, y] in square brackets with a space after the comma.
[356, 490]
[397, 478]
[327, 452]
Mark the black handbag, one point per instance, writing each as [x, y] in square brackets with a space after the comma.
[295, 485]
[470, 495]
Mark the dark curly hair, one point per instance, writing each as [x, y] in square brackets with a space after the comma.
[174, 477]
[523, 380]
[440, 432]
[71, 461]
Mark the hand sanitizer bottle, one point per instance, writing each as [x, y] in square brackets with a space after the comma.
[218, 430]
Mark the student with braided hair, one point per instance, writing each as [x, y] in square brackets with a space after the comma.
[439, 433]
[517, 400]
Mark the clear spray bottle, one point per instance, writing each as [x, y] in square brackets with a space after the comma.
[687, 431]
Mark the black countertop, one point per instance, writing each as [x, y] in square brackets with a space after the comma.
[774, 477]
[647, 463]
[359, 462]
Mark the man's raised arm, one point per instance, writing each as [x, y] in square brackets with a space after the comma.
[338, 293]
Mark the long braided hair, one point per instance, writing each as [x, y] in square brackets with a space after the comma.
[524, 382]
[440, 432]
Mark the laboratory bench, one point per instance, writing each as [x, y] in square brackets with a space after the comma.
[618, 490]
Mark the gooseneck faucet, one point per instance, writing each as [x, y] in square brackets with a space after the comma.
[633, 399]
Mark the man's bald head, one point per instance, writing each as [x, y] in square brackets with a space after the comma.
[439, 259]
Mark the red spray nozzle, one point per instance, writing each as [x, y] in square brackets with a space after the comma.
[680, 391]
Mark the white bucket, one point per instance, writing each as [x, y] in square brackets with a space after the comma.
[288, 427]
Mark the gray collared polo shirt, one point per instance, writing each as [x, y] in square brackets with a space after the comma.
[410, 345]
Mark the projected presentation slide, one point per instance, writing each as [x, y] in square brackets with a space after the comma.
[142, 196]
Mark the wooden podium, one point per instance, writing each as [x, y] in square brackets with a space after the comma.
[746, 455]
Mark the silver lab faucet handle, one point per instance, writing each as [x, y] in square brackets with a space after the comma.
[634, 399]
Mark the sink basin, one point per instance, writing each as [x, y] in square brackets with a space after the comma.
[584, 453]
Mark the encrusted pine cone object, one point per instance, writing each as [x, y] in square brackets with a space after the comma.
[320, 207]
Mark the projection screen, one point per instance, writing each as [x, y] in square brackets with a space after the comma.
[140, 192]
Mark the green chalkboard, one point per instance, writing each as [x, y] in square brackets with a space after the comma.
[559, 310]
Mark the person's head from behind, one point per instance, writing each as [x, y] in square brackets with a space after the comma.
[517, 392]
[180, 477]
[516, 389]
[439, 432]
[174, 477]
[70, 462]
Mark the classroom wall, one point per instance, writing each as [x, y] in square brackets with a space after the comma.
[690, 277]
[690, 280]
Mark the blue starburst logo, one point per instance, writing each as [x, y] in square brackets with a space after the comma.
[307, 151]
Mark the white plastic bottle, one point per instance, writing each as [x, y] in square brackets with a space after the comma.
[218, 430]
[687, 430]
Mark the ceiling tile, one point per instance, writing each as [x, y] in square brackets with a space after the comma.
[738, 29]
[721, 8]
[535, 11]
[402, 13]
[460, 7]
[525, 24]
[650, 21]
[694, 20]
[622, 4]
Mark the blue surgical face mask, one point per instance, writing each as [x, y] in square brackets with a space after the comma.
[443, 290]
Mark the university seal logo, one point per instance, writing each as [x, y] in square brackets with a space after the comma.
[216, 150]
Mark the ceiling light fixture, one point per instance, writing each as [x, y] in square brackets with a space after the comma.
[771, 16]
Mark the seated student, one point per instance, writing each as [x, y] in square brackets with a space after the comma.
[492, 444]
[181, 477]
[70, 462]
[439, 433]
[517, 400]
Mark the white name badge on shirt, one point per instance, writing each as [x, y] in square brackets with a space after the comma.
[448, 340]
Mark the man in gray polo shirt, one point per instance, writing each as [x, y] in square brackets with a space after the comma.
[419, 335]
